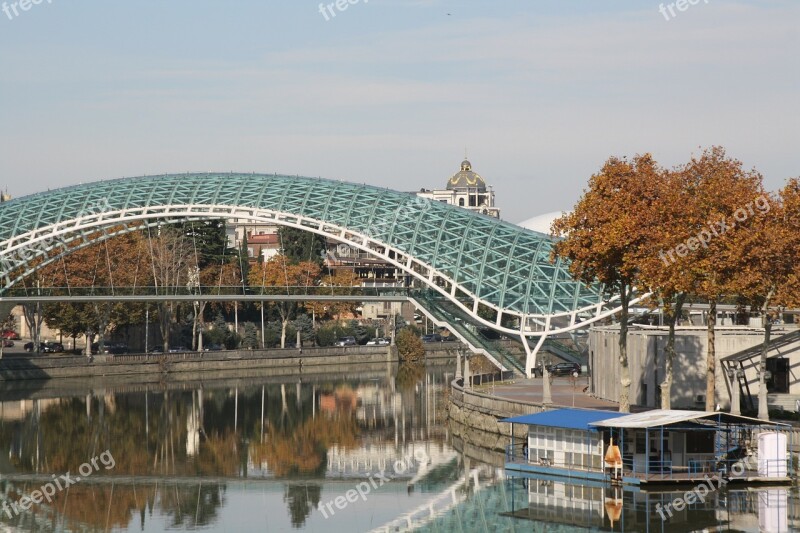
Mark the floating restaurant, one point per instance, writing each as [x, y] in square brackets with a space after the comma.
[659, 446]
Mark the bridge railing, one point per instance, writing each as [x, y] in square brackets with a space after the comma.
[200, 292]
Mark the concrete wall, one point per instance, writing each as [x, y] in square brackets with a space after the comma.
[474, 416]
[646, 359]
[309, 360]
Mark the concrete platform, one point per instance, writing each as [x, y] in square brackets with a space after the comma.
[565, 391]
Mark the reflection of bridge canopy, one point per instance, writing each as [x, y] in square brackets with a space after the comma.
[458, 255]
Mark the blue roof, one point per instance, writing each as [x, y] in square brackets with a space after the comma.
[566, 418]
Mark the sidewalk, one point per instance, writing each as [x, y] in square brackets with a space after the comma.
[563, 392]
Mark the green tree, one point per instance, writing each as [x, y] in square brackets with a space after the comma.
[304, 325]
[250, 337]
[299, 245]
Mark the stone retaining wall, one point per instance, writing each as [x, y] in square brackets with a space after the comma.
[474, 417]
[312, 359]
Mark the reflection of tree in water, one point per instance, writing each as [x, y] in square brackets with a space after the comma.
[192, 506]
[303, 450]
[409, 375]
[296, 444]
[98, 507]
[183, 433]
[301, 499]
[103, 507]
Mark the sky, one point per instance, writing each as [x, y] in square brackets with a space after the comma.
[392, 92]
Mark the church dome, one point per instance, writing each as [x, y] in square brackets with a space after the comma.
[466, 178]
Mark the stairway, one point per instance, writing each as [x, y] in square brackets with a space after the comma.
[737, 361]
[564, 351]
[458, 322]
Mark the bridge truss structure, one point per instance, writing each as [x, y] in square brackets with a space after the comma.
[463, 259]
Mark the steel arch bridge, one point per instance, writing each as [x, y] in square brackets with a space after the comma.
[463, 258]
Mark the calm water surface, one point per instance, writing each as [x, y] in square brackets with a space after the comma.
[263, 453]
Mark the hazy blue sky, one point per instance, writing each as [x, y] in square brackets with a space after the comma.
[390, 92]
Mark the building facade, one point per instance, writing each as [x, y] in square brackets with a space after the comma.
[736, 347]
[465, 189]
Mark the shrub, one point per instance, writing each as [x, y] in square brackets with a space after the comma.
[409, 346]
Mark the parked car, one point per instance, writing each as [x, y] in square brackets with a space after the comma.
[433, 337]
[51, 347]
[178, 349]
[380, 341]
[559, 369]
[346, 341]
[8, 343]
[157, 350]
[214, 348]
[28, 346]
[116, 348]
[10, 334]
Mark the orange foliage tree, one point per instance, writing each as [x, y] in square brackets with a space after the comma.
[723, 206]
[279, 276]
[606, 234]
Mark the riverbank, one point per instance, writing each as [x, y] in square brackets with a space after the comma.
[475, 412]
[155, 367]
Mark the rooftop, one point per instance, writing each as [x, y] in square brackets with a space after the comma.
[565, 418]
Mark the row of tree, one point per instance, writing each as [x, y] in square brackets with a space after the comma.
[186, 258]
[706, 230]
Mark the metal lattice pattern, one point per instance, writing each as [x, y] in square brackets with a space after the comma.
[460, 254]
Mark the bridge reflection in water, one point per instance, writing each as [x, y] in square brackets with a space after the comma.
[538, 503]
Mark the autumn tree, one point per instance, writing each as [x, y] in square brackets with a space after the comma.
[771, 245]
[409, 346]
[111, 265]
[279, 276]
[668, 279]
[171, 256]
[606, 233]
[723, 204]
[340, 283]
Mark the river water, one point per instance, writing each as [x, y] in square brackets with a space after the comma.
[347, 452]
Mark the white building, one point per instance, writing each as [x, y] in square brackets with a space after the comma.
[465, 189]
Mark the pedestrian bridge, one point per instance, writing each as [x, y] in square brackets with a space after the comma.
[457, 260]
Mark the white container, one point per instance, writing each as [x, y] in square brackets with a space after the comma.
[772, 454]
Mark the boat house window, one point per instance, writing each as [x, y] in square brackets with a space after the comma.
[700, 442]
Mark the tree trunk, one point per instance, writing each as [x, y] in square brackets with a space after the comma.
[33, 319]
[711, 357]
[103, 313]
[669, 353]
[164, 320]
[197, 326]
[284, 325]
[763, 408]
[194, 328]
[625, 371]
